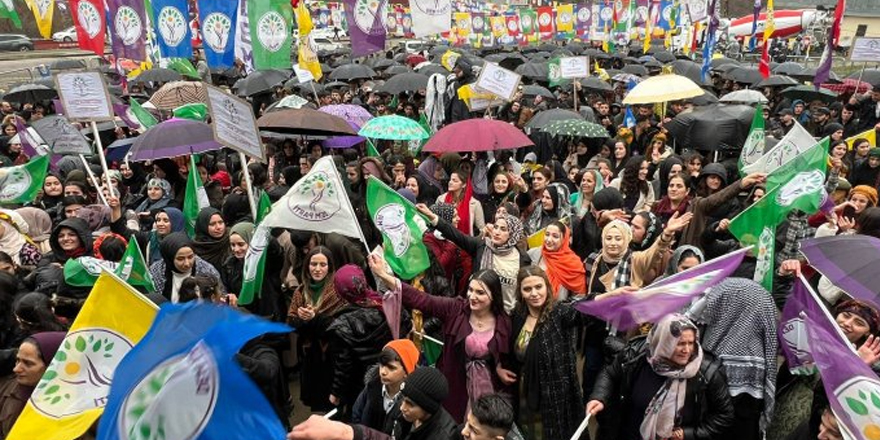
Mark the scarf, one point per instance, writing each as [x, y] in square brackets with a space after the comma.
[39, 223]
[435, 108]
[177, 224]
[539, 217]
[564, 268]
[47, 343]
[672, 268]
[151, 205]
[661, 413]
[664, 208]
[213, 250]
[653, 229]
[515, 227]
[740, 318]
[463, 208]
[578, 198]
[428, 169]
[245, 230]
[12, 240]
[622, 273]
[351, 285]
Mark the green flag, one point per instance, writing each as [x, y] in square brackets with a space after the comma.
[371, 149]
[554, 73]
[432, 349]
[144, 117]
[402, 228]
[7, 10]
[184, 67]
[133, 267]
[255, 261]
[528, 20]
[196, 197]
[753, 149]
[20, 184]
[195, 111]
[84, 271]
[799, 184]
[271, 35]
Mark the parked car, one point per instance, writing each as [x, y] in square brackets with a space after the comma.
[66, 36]
[16, 42]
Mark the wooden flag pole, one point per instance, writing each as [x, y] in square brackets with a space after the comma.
[250, 185]
[94, 180]
[103, 158]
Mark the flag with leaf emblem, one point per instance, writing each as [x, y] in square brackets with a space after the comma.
[20, 184]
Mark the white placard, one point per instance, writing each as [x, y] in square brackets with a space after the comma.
[84, 96]
[865, 49]
[64, 138]
[498, 81]
[697, 10]
[574, 67]
[303, 75]
[234, 123]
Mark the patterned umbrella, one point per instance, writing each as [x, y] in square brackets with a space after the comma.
[172, 138]
[351, 113]
[393, 127]
[289, 101]
[626, 78]
[178, 93]
[576, 128]
[849, 85]
[545, 117]
[870, 76]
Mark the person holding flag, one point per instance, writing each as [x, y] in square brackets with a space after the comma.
[166, 221]
[269, 305]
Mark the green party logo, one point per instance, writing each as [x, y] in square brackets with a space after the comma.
[391, 221]
[78, 378]
[321, 204]
[173, 401]
[14, 182]
[860, 396]
[272, 31]
[89, 19]
[765, 244]
[807, 182]
[215, 31]
[172, 26]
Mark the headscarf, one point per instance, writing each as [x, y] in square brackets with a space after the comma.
[515, 228]
[608, 198]
[540, 218]
[672, 267]
[863, 310]
[47, 201]
[178, 223]
[740, 318]
[245, 230]
[577, 199]
[12, 239]
[351, 285]
[81, 229]
[150, 205]
[97, 216]
[565, 268]
[407, 193]
[427, 170]
[653, 229]
[624, 229]
[463, 208]
[445, 211]
[664, 169]
[213, 250]
[38, 221]
[869, 192]
[47, 344]
[660, 416]
[169, 247]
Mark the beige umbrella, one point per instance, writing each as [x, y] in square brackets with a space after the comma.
[663, 88]
[178, 93]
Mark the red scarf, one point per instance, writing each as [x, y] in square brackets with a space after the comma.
[565, 269]
[463, 208]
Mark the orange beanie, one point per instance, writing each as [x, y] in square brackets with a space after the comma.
[409, 354]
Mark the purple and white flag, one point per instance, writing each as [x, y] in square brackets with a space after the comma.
[366, 25]
[666, 296]
[127, 21]
[800, 309]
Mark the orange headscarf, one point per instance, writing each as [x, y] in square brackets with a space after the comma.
[564, 268]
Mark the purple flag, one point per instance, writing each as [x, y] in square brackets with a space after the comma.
[121, 110]
[366, 26]
[27, 142]
[799, 309]
[663, 297]
[584, 17]
[128, 29]
[823, 72]
[59, 108]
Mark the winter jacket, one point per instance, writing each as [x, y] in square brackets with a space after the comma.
[641, 265]
[703, 208]
[439, 427]
[707, 394]
[369, 409]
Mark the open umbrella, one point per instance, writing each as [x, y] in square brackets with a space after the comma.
[870, 76]
[594, 84]
[744, 96]
[393, 127]
[178, 93]
[849, 85]
[809, 94]
[172, 138]
[849, 262]
[351, 113]
[745, 75]
[690, 70]
[118, 149]
[30, 93]
[576, 128]
[477, 135]
[533, 90]
[714, 127]
[304, 122]
[662, 88]
[532, 70]
[777, 81]
[349, 72]
[405, 82]
[707, 98]
[636, 69]
[788, 68]
[545, 117]
[430, 69]
[718, 62]
[335, 84]
[808, 73]
[664, 56]
[344, 141]
[382, 63]
[289, 101]
[158, 74]
[396, 70]
[261, 81]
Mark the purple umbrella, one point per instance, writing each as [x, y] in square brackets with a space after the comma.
[172, 138]
[349, 112]
[345, 141]
[849, 262]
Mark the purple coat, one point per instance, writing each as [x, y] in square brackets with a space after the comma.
[455, 314]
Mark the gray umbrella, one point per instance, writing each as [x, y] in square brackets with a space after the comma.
[690, 70]
[636, 69]
[594, 84]
[158, 75]
[718, 62]
[534, 90]
[745, 75]
[29, 93]
[545, 117]
[261, 81]
[788, 68]
[707, 98]
[714, 127]
[405, 82]
[67, 64]
[349, 72]
[430, 69]
[870, 76]
[396, 70]
[777, 81]
[664, 56]
[382, 63]
[532, 70]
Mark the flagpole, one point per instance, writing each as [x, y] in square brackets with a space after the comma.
[247, 179]
[103, 159]
[94, 180]
[575, 91]
[827, 313]
[317, 100]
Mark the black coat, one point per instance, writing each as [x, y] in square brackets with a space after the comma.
[707, 395]
[369, 409]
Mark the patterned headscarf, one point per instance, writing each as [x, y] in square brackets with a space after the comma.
[863, 310]
[352, 286]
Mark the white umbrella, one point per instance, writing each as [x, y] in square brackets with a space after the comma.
[663, 88]
[744, 96]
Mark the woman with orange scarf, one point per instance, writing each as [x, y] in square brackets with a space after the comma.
[563, 267]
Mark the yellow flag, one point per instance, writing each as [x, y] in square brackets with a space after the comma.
[536, 240]
[499, 26]
[306, 56]
[870, 135]
[463, 22]
[769, 22]
[448, 59]
[43, 11]
[303, 19]
[564, 18]
[647, 43]
[73, 391]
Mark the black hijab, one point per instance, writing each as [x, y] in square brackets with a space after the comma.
[213, 250]
[169, 246]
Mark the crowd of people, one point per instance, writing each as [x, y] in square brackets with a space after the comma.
[517, 360]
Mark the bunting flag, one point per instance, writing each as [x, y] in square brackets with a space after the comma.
[823, 72]
[753, 148]
[196, 198]
[255, 269]
[89, 21]
[769, 28]
[513, 25]
[499, 26]
[171, 23]
[584, 16]
[218, 19]
[307, 57]
[528, 20]
[7, 10]
[73, 391]
[642, 12]
[21, 184]
[401, 227]
[128, 28]
[756, 12]
[799, 184]
[463, 24]
[869, 135]
[182, 381]
[565, 18]
[43, 11]
[554, 73]
[365, 26]
[271, 36]
[478, 24]
[545, 20]
[430, 17]
[665, 19]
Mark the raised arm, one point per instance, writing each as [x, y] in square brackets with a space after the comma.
[440, 307]
[465, 242]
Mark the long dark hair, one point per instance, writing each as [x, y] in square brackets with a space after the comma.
[493, 282]
[535, 271]
[34, 314]
[331, 265]
[630, 185]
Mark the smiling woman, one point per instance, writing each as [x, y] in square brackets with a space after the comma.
[34, 356]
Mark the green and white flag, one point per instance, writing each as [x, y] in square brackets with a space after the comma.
[7, 10]
[554, 74]
[196, 197]
[754, 146]
[402, 228]
[792, 144]
[84, 271]
[133, 267]
[800, 184]
[271, 35]
[20, 184]
[255, 262]
[144, 117]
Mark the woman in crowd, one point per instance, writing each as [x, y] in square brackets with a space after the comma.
[159, 195]
[638, 193]
[179, 261]
[211, 241]
[590, 183]
[554, 207]
[34, 356]
[166, 221]
[266, 302]
[53, 192]
[17, 244]
[39, 225]
[470, 211]
[564, 269]
[500, 192]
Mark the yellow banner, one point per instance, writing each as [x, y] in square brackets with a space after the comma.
[463, 23]
[870, 135]
[565, 18]
[499, 26]
[43, 11]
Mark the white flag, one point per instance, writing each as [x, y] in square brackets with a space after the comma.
[317, 202]
[794, 143]
[430, 17]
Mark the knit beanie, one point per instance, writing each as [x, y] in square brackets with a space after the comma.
[866, 190]
[427, 388]
[407, 351]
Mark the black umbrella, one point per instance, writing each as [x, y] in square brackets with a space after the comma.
[542, 118]
[537, 71]
[383, 63]
[349, 72]
[405, 82]
[777, 81]
[511, 62]
[304, 88]
[808, 73]
[326, 68]
[690, 70]
[714, 127]
[534, 90]
[870, 76]
[594, 84]
[664, 56]
[809, 94]
[636, 69]
[547, 47]
[30, 93]
[718, 62]
[158, 75]
[431, 69]
[745, 75]
[788, 68]
[396, 70]
[335, 84]
[707, 98]
[261, 81]
[561, 53]
[67, 64]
